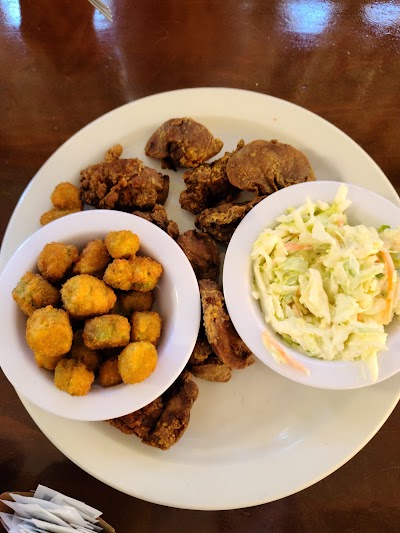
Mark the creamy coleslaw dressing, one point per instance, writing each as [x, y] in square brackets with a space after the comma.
[327, 287]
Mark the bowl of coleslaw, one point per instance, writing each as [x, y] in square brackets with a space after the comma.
[312, 284]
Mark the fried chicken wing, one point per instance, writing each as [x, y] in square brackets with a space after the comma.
[208, 184]
[159, 217]
[123, 184]
[202, 252]
[221, 221]
[178, 402]
[212, 370]
[264, 167]
[220, 331]
[140, 422]
[182, 142]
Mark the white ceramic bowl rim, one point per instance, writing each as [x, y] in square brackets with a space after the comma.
[178, 303]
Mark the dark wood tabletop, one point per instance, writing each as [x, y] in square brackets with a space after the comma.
[62, 65]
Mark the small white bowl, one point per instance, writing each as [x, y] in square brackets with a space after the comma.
[367, 208]
[177, 300]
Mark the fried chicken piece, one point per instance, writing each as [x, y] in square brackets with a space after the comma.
[264, 167]
[202, 349]
[221, 221]
[123, 184]
[182, 142]
[220, 331]
[140, 422]
[178, 401]
[212, 370]
[208, 184]
[202, 252]
[113, 153]
[159, 217]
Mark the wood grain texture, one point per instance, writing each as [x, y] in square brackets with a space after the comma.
[62, 65]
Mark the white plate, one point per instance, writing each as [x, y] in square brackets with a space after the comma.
[246, 313]
[259, 437]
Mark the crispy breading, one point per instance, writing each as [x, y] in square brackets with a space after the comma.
[93, 259]
[73, 377]
[140, 422]
[123, 184]
[202, 252]
[56, 259]
[85, 296]
[130, 301]
[114, 152]
[137, 361]
[66, 196]
[79, 351]
[159, 217]
[106, 331]
[137, 273]
[220, 331]
[208, 184]
[202, 349]
[212, 370]
[49, 332]
[174, 420]
[33, 292]
[122, 244]
[264, 167]
[146, 326]
[182, 142]
[221, 221]
[109, 375]
[54, 214]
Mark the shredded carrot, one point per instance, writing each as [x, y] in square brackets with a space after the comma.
[294, 247]
[272, 345]
[390, 270]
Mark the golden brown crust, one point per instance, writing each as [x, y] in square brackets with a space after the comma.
[221, 221]
[93, 259]
[264, 167]
[182, 142]
[202, 252]
[159, 217]
[66, 196]
[123, 184]
[56, 259]
[208, 184]
[33, 292]
[55, 214]
[220, 331]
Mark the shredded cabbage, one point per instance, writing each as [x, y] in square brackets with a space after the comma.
[327, 287]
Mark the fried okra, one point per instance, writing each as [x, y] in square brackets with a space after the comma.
[93, 259]
[33, 292]
[73, 377]
[85, 296]
[146, 326]
[106, 331]
[138, 273]
[79, 351]
[137, 361]
[66, 196]
[122, 244]
[56, 259]
[130, 301]
[49, 332]
[109, 375]
[54, 214]
[48, 362]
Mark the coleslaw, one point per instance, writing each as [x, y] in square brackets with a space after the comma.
[328, 288]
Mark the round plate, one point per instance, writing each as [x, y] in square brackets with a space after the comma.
[258, 437]
[245, 311]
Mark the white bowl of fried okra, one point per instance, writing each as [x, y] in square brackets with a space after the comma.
[100, 313]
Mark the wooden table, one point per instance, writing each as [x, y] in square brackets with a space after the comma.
[62, 65]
